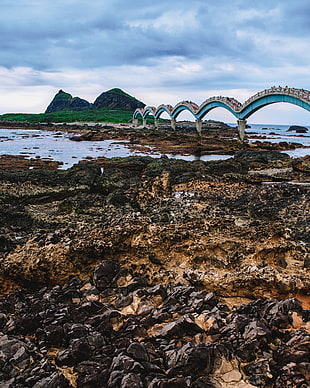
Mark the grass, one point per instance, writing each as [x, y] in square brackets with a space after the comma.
[102, 115]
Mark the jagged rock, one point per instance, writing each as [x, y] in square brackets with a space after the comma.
[104, 274]
[192, 358]
[302, 164]
[138, 351]
[183, 326]
[204, 382]
[132, 381]
[64, 101]
[83, 174]
[6, 244]
[259, 373]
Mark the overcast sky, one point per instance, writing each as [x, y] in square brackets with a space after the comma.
[158, 51]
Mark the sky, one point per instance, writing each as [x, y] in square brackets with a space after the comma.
[157, 51]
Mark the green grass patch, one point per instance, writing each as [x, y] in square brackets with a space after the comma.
[67, 116]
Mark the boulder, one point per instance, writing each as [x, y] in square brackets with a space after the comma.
[104, 273]
[183, 326]
[297, 129]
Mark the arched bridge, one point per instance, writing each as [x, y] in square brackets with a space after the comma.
[242, 112]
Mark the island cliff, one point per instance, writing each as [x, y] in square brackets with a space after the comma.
[114, 98]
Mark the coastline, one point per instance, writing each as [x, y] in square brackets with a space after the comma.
[99, 141]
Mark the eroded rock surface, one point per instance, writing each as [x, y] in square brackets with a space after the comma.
[143, 272]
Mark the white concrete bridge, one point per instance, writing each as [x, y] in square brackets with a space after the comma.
[242, 112]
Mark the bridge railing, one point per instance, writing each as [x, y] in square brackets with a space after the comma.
[293, 92]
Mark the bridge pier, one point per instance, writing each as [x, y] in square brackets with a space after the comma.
[135, 122]
[173, 124]
[156, 121]
[199, 126]
[241, 129]
[144, 123]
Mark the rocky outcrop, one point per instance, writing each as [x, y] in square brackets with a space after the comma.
[64, 101]
[116, 98]
[297, 129]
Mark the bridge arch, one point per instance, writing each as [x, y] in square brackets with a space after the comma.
[138, 112]
[266, 100]
[208, 105]
[184, 106]
[163, 109]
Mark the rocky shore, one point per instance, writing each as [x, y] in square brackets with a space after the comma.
[159, 273]
[217, 138]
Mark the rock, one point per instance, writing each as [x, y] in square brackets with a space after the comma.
[83, 174]
[204, 382]
[301, 165]
[132, 381]
[126, 364]
[3, 320]
[259, 373]
[263, 157]
[6, 244]
[14, 351]
[54, 381]
[176, 382]
[183, 326]
[104, 273]
[192, 358]
[233, 376]
[64, 101]
[107, 316]
[138, 351]
[297, 129]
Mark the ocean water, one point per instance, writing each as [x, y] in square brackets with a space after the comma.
[276, 133]
[57, 145]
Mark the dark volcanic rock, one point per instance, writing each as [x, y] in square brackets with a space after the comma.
[116, 98]
[264, 157]
[184, 325]
[104, 273]
[107, 346]
[297, 129]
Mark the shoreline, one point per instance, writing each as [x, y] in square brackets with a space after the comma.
[217, 138]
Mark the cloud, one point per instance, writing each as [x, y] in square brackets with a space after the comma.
[178, 48]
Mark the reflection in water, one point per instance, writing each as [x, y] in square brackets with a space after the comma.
[57, 146]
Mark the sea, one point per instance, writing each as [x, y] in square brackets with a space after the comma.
[32, 143]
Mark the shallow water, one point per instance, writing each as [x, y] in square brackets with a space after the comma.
[57, 145]
[275, 134]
